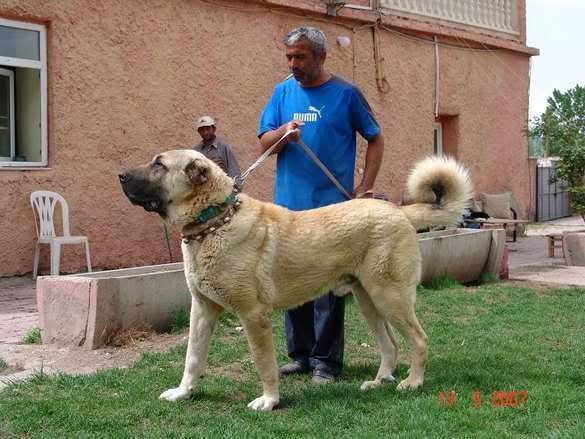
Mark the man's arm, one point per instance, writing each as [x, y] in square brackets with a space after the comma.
[268, 138]
[374, 156]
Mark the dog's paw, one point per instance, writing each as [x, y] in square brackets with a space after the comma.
[264, 403]
[409, 384]
[176, 394]
[368, 385]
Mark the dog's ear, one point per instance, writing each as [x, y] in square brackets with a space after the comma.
[197, 171]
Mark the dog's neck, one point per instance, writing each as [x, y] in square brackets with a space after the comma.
[211, 218]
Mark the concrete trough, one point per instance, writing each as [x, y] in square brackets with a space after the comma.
[84, 309]
[463, 254]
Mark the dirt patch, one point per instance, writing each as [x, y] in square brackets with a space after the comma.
[535, 285]
[75, 360]
[10, 370]
[130, 336]
[235, 371]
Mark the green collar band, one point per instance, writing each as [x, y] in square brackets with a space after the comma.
[215, 209]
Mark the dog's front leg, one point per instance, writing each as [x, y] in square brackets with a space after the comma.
[259, 331]
[204, 315]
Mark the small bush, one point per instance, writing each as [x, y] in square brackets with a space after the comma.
[180, 321]
[33, 336]
[488, 278]
[3, 364]
[443, 282]
[577, 195]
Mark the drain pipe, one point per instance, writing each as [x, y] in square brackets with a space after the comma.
[437, 65]
[381, 81]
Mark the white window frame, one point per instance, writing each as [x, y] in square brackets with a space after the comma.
[10, 75]
[438, 136]
[40, 65]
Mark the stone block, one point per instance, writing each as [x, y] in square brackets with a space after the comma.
[84, 309]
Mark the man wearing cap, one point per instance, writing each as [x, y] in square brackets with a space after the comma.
[215, 149]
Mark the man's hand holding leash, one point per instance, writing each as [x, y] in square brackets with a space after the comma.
[270, 137]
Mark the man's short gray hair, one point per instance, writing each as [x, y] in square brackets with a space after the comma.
[314, 36]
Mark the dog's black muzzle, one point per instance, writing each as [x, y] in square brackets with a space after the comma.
[142, 192]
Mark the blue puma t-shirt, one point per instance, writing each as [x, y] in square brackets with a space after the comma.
[332, 112]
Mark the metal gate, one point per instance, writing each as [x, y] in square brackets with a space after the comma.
[552, 199]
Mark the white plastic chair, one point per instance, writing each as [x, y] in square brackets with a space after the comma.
[43, 204]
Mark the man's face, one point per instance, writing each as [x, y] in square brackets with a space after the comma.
[207, 133]
[305, 66]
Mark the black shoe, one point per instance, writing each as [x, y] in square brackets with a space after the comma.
[321, 376]
[295, 367]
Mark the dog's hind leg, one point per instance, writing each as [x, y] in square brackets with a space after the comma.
[416, 338]
[258, 326]
[204, 315]
[395, 302]
[386, 340]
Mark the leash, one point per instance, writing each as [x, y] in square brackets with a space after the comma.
[323, 168]
[240, 179]
[215, 216]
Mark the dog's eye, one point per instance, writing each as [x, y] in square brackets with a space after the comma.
[157, 164]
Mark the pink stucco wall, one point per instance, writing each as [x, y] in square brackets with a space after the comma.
[126, 80]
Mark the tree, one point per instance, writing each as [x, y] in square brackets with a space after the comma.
[562, 130]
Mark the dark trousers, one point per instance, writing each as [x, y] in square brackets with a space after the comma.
[314, 333]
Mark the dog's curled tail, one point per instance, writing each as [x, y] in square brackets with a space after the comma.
[439, 189]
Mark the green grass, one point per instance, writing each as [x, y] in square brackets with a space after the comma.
[488, 278]
[484, 339]
[443, 282]
[3, 364]
[33, 336]
[180, 321]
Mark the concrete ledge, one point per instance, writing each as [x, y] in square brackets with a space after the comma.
[84, 309]
[574, 248]
[561, 275]
[463, 254]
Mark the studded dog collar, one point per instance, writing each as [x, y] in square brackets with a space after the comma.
[211, 218]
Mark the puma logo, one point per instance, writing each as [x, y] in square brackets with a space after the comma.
[311, 108]
[313, 115]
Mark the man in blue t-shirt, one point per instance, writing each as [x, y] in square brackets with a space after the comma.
[330, 111]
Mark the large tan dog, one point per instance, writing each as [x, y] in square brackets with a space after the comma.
[251, 257]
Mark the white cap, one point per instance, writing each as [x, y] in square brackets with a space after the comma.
[205, 121]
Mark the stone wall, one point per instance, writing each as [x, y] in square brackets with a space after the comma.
[127, 79]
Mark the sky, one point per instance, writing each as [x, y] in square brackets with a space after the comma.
[557, 28]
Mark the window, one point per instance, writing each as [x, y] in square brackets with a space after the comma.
[23, 94]
[438, 139]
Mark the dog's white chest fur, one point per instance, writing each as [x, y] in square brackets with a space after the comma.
[198, 282]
